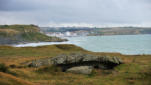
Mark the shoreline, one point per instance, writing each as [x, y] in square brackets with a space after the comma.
[67, 44]
[107, 47]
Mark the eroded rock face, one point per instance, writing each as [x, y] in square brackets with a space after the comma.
[81, 70]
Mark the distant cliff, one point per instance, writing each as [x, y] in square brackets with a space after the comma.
[96, 31]
[14, 34]
[121, 31]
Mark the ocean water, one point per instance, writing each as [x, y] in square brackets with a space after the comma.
[125, 44]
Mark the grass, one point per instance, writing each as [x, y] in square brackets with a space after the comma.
[7, 79]
[53, 70]
[136, 69]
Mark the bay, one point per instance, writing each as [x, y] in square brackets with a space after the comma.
[125, 44]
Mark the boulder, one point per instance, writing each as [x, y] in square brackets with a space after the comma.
[81, 70]
[66, 62]
[79, 59]
[40, 62]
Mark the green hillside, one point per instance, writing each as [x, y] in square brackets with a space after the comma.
[13, 34]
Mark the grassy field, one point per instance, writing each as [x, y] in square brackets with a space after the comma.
[136, 69]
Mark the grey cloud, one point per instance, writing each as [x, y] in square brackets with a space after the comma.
[16, 5]
[75, 11]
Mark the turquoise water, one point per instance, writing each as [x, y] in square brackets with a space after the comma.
[125, 44]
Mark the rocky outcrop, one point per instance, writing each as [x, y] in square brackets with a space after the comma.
[79, 62]
[79, 59]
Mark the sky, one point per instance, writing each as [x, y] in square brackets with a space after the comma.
[76, 12]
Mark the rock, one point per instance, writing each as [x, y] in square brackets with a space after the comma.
[81, 70]
[74, 58]
[40, 62]
[78, 59]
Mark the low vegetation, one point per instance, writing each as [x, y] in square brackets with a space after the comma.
[7, 79]
[3, 68]
[136, 69]
[49, 69]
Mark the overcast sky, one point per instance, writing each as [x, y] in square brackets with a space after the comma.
[76, 12]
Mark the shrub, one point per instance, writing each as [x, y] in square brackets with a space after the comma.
[13, 66]
[3, 68]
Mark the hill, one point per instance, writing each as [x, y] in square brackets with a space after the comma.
[96, 31]
[14, 34]
[121, 31]
[136, 69]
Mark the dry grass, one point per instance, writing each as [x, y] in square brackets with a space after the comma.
[14, 55]
[7, 79]
[136, 69]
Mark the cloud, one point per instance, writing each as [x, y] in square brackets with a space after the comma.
[97, 12]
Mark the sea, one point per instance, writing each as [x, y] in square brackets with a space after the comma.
[125, 44]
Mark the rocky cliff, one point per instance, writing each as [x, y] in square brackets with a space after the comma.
[14, 34]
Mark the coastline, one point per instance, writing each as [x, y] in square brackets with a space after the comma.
[129, 48]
